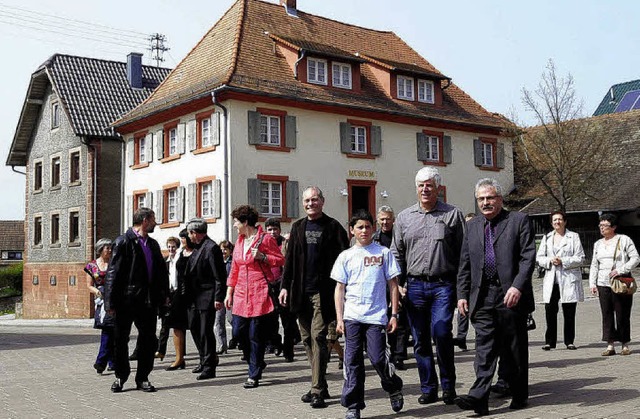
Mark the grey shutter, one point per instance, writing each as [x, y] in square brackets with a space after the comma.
[290, 131]
[129, 209]
[253, 196]
[477, 152]
[182, 128]
[215, 128]
[130, 152]
[192, 201]
[148, 200]
[149, 147]
[421, 146]
[254, 127]
[217, 198]
[446, 149]
[160, 216]
[345, 137]
[181, 203]
[191, 134]
[293, 199]
[160, 144]
[376, 140]
[500, 155]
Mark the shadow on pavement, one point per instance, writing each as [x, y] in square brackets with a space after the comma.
[546, 393]
[17, 341]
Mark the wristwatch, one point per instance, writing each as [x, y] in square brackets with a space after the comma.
[395, 315]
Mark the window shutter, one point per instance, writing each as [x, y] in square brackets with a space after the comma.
[376, 140]
[446, 149]
[180, 209]
[421, 143]
[290, 131]
[160, 206]
[500, 155]
[215, 128]
[160, 144]
[182, 128]
[254, 127]
[477, 152]
[191, 134]
[129, 209]
[253, 187]
[293, 199]
[192, 201]
[130, 152]
[148, 200]
[345, 137]
[149, 147]
[217, 198]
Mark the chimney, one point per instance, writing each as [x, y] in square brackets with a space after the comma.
[134, 70]
[290, 7]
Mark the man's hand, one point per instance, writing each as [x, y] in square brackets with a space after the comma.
[282, 298]
[111, 312]
[217, 305]
[392, 325]
[463, 307]
[340, 327]
[594, 290]
[512, 297]
[402, 291]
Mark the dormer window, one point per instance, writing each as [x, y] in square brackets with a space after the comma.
[317, 71]
[341, 75]
[405, 88]
[425, 91]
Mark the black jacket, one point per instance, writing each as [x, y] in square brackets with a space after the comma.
[127, 284]
[333, 240]
[206, 276]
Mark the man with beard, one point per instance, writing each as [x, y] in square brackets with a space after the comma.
[137, 284]
[494, 289]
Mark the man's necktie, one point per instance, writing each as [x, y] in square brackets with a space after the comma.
[490, 270]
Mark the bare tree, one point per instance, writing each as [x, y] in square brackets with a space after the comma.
[563, 151]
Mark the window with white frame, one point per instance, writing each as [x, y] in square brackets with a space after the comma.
[487, 154]
[205, 126]
[271, 198]
[172, 204]
[341, 75]
[37, 231]
[206, 199]
[140, 201]
[270, 130]
[55, 228]
[55, 171]
[173, 141]
[358, 139]
[433, 148]
[74, 166]
[37, 176]
[425, 91]
[316, 71]
[405, 88]
[142, 149]
[74, 226]
[55, 115]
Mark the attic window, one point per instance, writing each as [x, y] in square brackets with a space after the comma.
[405, 88]
[55, 115]
[317, 71]
[425, 91]
[341, 75]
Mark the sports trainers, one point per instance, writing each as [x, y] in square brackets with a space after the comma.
[352, 414]
[397, 401]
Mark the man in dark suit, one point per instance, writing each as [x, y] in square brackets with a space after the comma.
[137, 284]
[206, 282]
[494, 289]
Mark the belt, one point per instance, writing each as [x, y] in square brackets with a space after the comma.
[427, 278]
[492, 281]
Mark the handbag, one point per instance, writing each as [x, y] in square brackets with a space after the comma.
[622, 284]
[273, 287]
[531, 322]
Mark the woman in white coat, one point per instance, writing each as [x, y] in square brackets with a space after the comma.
[561, 254]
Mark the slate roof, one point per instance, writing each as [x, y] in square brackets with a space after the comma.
[11, 235]
[93, 93]
[614, 95]
[615, 188]
[238, 54]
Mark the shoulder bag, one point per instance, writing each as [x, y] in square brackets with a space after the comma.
[622, 284]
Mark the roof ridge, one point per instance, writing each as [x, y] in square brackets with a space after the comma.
[57, 55]
[625, 82]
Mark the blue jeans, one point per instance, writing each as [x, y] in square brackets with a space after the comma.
[430, 309]
[252, 333]
[107, 347]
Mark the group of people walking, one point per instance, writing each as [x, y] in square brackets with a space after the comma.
[411, 274]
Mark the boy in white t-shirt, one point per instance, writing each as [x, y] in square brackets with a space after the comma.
[363, 273]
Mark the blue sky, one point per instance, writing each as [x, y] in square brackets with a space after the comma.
[491, 49]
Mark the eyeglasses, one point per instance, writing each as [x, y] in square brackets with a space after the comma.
[604, 225]
[486, 198]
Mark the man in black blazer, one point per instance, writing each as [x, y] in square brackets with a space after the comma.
[494, 289]
[206, 283]
[137, 283]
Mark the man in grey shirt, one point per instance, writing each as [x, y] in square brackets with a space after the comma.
[427, 239]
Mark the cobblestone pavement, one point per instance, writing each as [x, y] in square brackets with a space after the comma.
[46, 372]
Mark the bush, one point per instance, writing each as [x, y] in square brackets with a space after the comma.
[11, 277]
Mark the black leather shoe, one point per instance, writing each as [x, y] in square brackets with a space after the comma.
[206, 375]
[518, 404]
[448, 396]
[317, 402]
[145, 386]
[308, 397]
[480, 407]
[460, 343]
[251, 383]
[133, 356]
[197, 369]
[428, 398]
[501, 389]
[116, 387]
[174, 367]
[399, 364]
[99, 368]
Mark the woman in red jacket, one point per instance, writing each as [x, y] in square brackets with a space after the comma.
[254, 255]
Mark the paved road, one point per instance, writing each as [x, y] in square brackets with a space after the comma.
[46, 372]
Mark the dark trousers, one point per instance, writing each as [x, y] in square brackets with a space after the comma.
[551, 313]
[616, 315]
[398, 339]
[145, 321]
[500, 332]
[163, 336]
[355, 336]
[430, 311]
[107, 347]
[252, 333]
[463, 326]
[201, 326]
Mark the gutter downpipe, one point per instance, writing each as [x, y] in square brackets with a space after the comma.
[303, 52]
[226, 199]
[17, 171]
